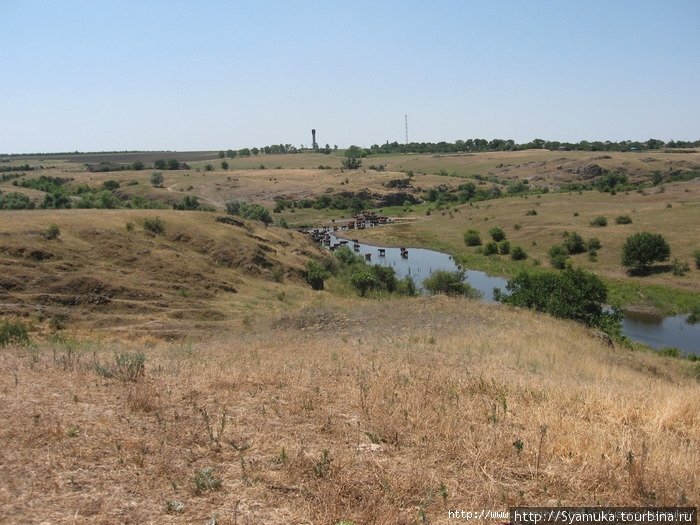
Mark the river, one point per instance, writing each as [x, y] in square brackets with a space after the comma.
[653, 330]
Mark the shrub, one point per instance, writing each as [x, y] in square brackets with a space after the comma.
[599, 221]
[351, 163]
[517, 253]
[126, 367]
[406, 286]
[224, 165]
[315, 275]
[574, 243]
[157, 179]
[246, 210]
[531, 212]
[471, 238]
[644, 248]
[52, 232]
[696, 256]
[154, 225]
[490, 248]
[558, 256]
[13, 333]
[497, 234]
[623, 219]
[679, 268]
[15, 201]
[110, 185]
[570, 294]
[363, 279]
[208, 167]
[206, 481]
[504, 247]
[449, 283]
[593, 244]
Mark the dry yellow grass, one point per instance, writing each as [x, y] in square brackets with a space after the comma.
[199, 276]
[330, 418]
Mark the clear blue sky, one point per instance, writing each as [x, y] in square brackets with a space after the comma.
[97, 75]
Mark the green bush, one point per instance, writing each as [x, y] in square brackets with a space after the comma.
[558, 255]
[570, 294]
[497, 234]
[13, 333]
[316, 275]
[517, 253]
[490, 248]
[623, 219]
[406, 286]
[110, 185]
[449, 283]
[574, 243]
[254, 212]
[52, 232]
[644, 248]
[599, 221]
[471, 238]
[154, 225]
[15, 201]
[696, 256]
[504, 247]
[531, 212]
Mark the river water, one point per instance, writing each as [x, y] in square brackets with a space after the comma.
[653, 330]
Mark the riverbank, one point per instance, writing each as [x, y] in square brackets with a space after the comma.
[625, 294]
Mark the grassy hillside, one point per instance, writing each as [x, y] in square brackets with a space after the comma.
[107, 271]
[317, 416]
[673, 212]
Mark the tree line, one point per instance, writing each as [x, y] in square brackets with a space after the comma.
[480, 145]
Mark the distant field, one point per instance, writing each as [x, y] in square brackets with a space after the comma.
[299, 177]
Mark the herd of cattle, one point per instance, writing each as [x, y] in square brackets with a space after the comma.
[361, 221]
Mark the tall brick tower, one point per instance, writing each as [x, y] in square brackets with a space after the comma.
[313, 139]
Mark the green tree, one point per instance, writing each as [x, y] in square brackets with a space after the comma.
[570, 294]
[643, 249]
[222, 154]
[224, 165]
[230, 153]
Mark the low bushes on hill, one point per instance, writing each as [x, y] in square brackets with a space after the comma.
[15, 201]
[154, 225]
[623, 219]
[517, 253]
[254, 212]
[599, 221]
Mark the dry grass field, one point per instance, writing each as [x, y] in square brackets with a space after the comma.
[106, 271]
[316, 416]
[262, 401]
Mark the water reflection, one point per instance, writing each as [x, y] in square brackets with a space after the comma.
[653, 330]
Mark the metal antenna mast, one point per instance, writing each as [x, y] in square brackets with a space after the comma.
[406, 122]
